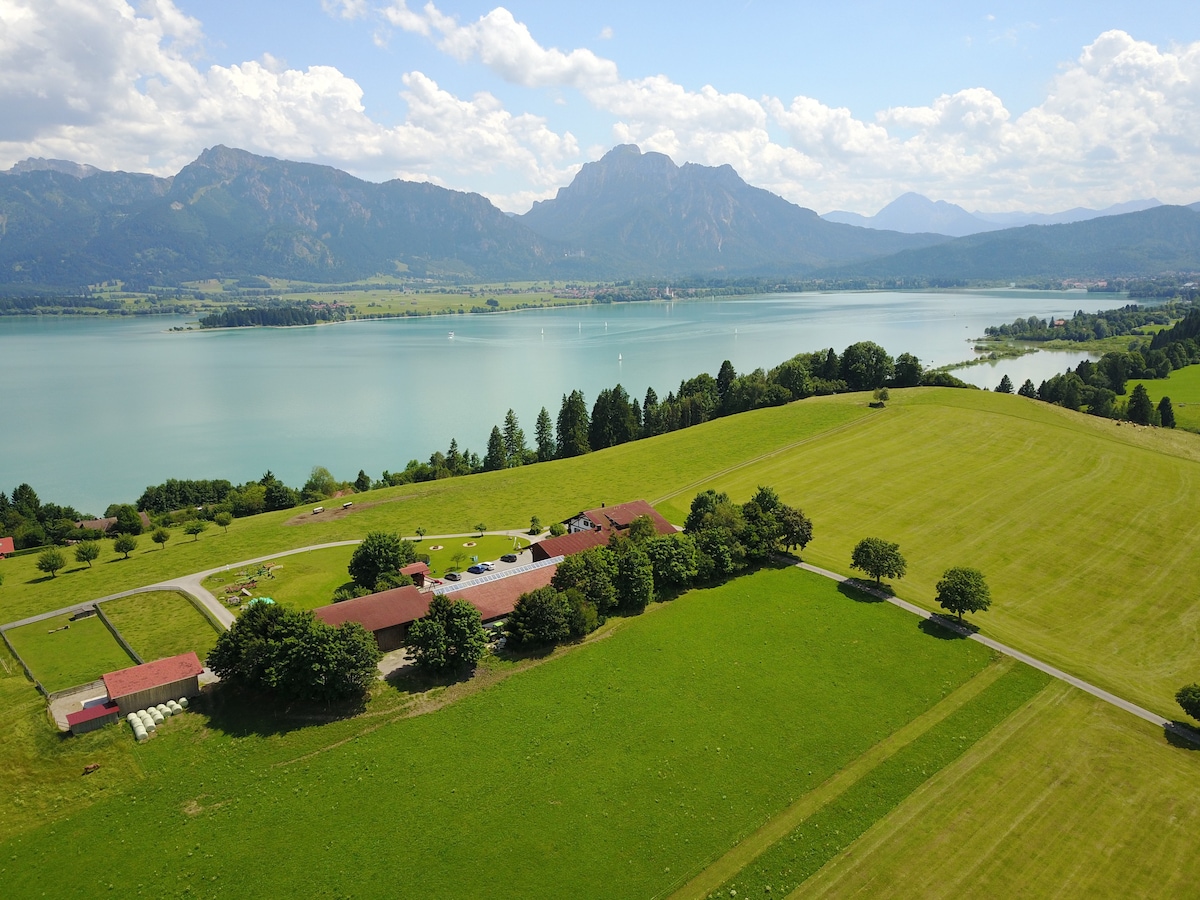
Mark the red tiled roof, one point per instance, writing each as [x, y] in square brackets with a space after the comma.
[378, 611]
[152, 675]
[566, 544]
[7, 546]
[417, 568]
[497, 598]
[98, 711]
[623, 514]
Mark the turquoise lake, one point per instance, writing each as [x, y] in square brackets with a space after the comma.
[94, 410]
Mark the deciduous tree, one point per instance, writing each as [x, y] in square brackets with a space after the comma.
[540, 617]
[450, 637]
[878, 558]
[1188, 697]
[126, 544]
[380, 552]
[86, 551]
[50, 561]
[963, 590]
[224, 520]
[195, 528]
[160, 537]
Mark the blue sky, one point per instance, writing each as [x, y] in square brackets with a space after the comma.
[1037, 106]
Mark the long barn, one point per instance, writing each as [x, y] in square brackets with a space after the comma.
[149, 684]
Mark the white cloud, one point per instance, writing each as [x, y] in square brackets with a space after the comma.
[606, 33]
[505, 46]
[346, 9]
[100, 83]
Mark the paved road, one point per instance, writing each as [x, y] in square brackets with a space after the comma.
[193, 585]
[1050, 670]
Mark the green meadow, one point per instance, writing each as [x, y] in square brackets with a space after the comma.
[617, 768]
[1084, 527]
[1183, 387]
[158, 624]
[65, 657]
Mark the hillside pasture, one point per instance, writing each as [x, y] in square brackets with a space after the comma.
[158, 624]
[616, 768]
[1084, 528]
[81, 652]
[1183, 387]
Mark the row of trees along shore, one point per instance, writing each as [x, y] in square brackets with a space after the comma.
[1099, 388]
[614, 418]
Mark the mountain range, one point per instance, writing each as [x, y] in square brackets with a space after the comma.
[915, 214]
[231, 213]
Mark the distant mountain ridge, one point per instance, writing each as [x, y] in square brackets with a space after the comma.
[231, 213]
[642, 213]
[1153, 241]
[913, 213]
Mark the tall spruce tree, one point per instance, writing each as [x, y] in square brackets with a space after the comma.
[1166, 413]
[1140, 408]
[572, 431]
[544, 431]
[514, 440]
[495, 458]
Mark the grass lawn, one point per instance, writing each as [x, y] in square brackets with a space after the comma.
[1183, 387]
[1068, 798]
[308, 580]
[1085, 529]
[63, 659]
[612, 770]
[161, 624]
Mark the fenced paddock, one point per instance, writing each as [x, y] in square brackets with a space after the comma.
[158, 624]
[63, 658]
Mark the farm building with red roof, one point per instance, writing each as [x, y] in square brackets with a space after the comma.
[386, 615]
[149, 684]
[594, 527]
[7, 546]
[93, 718]
[496, 597]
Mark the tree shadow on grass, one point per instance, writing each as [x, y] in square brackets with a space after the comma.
[411, 679]
[858, 592]
[1182, 735]
[946, 629]
[242, 713]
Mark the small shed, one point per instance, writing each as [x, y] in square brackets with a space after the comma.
[155, 682]
[7, 547]
[93, 718]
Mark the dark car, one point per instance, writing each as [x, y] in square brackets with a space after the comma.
[477, 569]
[509, 557]
[454, 576]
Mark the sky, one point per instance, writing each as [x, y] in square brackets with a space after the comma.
[1038, 106]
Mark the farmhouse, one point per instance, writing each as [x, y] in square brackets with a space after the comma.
[155, 682]
[593, 528]
[108, 522]
[386, 615]
[608, 519]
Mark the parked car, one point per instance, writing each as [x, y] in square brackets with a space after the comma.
[477, 569]
[453, 576]
[509, 557]
[488, 566]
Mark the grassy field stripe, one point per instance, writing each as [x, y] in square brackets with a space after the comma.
[825, 834]
[949, 780]
[770, 453]
[720, 871]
